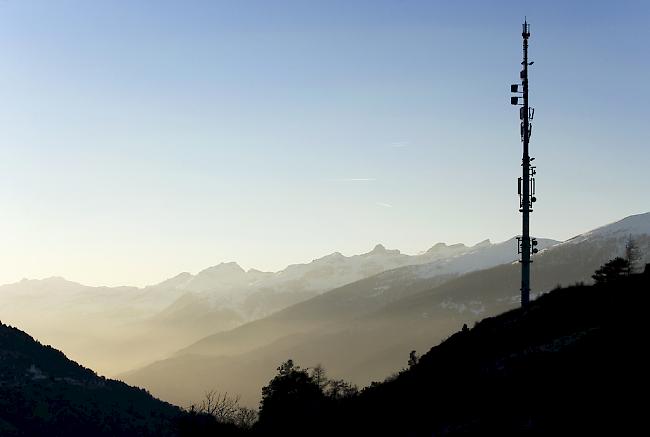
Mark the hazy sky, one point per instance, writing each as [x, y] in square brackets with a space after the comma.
[142, 138]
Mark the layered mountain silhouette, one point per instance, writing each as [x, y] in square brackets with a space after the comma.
[363, 330]
[114, 329]
[406, 301]
[567, 364]
[503, 376]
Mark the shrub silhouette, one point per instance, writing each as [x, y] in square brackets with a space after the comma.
[612, 271]
[225, 409]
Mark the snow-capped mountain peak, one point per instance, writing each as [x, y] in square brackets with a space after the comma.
[484, 243]
[638, 224]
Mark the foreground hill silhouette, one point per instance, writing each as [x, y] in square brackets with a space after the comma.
[44, 393]
[569, 364]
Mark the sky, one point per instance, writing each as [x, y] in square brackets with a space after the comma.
[139, 139]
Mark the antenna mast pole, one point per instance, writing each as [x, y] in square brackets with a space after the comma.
[526, 183]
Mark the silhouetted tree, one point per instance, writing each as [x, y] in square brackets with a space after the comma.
[290, 401]
[319, 376]
[222, 407]
[340, 389]
[225, 409]
[632, 255]
[413, 359]
[612, 271]
[246, 418]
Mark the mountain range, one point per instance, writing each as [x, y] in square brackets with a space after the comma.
[569, 363]
[365, 330]
[115, 329]
[360, 315]
[226, 329]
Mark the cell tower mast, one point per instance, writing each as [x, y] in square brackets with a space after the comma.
[526, 183]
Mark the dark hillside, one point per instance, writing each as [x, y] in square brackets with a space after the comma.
[44, 393]
[570, 364]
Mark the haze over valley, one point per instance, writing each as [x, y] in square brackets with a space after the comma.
[360, 316]
[114, 329]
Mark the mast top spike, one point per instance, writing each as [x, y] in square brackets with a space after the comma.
[525, 28]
